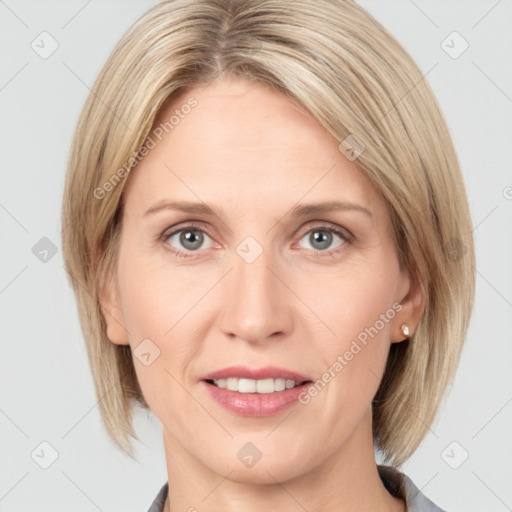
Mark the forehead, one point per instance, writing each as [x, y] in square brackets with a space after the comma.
[245, 145]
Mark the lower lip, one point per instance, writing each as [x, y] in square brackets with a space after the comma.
[255, 404]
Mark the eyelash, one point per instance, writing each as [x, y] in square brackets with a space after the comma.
[344, 234]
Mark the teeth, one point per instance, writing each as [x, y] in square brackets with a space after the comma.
[255, 386]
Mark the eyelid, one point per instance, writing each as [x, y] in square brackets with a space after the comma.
[327, 226]
[190, 225]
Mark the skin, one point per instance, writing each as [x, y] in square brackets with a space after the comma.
[253, 155]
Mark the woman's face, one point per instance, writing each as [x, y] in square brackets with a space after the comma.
[245, 275]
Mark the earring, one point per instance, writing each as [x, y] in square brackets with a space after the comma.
[405, 330]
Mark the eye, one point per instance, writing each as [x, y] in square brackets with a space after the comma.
[188, 239]
[321, 238]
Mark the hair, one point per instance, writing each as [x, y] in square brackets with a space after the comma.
[355, 79]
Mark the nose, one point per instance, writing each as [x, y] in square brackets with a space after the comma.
[256, 304]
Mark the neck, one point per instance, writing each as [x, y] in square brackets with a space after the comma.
[346, 481]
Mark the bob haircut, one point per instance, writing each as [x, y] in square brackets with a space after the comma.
[355, 79]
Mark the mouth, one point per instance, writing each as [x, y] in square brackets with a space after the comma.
[263, 397]
[257, 392]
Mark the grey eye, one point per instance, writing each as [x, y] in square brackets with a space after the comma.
[321, 239]
[188, 239]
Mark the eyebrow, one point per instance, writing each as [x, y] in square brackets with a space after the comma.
[298, 211]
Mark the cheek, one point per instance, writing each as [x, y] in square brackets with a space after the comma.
[353, 299]
[357, 305]
[155, 303]
[169, 305]
[156, 294]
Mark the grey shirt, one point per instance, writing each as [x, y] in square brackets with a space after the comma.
[396, 482]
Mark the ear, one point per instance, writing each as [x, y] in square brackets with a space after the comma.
[412, 299]
[108, 297]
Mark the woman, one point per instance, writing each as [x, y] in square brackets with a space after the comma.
[271, 250]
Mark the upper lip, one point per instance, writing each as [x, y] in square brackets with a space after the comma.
[268, 372]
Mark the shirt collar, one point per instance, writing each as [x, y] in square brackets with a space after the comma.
[401, 486]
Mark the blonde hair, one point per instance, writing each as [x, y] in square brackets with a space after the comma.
[338, 62]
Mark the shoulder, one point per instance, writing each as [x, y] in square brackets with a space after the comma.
[159, 501]
[401, 486]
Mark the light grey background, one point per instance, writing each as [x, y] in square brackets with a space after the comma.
[46, 388]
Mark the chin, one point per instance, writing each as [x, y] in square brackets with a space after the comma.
[267, 470]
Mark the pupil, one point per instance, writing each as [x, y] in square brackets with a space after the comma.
[322, 238]
[191, 239]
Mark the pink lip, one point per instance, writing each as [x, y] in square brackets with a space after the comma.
[244, 372]
[255, 404]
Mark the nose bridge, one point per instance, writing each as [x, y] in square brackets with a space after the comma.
[255, 306]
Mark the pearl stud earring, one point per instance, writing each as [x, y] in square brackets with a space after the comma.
[405, 330]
